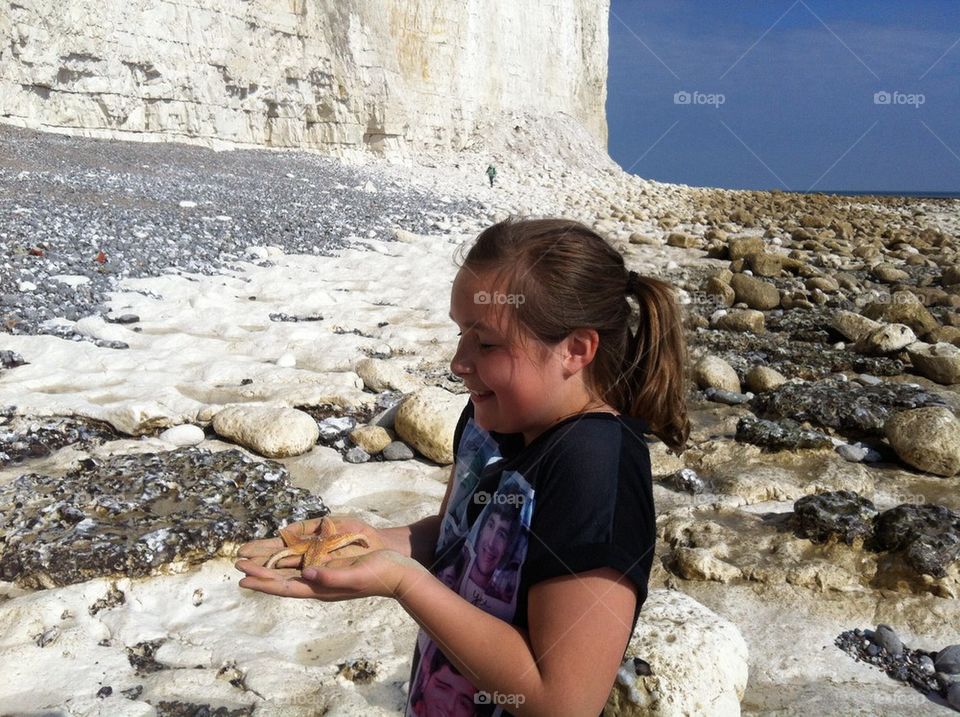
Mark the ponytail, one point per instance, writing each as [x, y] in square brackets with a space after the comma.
[655, 361]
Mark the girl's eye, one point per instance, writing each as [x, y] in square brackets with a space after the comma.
[482, 345]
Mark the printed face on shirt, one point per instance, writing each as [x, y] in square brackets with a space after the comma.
[492, 544]
[448, 694]
[511, 384]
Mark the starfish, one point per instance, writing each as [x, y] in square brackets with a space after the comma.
[315, 548]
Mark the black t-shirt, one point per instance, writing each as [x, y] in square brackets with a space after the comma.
[579, 497]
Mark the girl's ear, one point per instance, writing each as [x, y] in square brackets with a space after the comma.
[580, 348]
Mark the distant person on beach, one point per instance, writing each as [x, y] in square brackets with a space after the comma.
[569, 359]
[491, 173]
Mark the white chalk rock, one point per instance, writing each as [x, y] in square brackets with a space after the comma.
[182, 436]
[698, 662]
[427, 420]
[287, 360]
[380, 375]
[274, 432]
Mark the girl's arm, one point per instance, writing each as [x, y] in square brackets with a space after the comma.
[564, 665]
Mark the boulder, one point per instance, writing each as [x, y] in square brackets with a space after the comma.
[714, 372]
[683, 659]
[853, 326]
[764, 378]
[740, 247]
[939, 362]
[427, 420]
[755, 293]
[744, 320]
[886, 339]
[372, 439]
[271, 431]
[926, 438]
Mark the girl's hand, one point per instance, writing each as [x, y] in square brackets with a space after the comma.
[378, 573]
[260, 551]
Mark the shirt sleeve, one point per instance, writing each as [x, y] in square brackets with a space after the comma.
[594, 509]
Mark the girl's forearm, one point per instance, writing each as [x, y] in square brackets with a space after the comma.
[494, 655]
[417, 540]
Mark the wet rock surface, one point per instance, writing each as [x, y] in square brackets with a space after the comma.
[927, 537]
[928, 534]
[132, 515]
[784, 434]
[849, 407]
[841, 515]
[25, 437]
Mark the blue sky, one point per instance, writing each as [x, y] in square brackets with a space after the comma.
[766, 94]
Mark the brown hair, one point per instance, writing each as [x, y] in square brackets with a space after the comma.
[570, 277]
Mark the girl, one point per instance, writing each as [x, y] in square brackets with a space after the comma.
[550, 500]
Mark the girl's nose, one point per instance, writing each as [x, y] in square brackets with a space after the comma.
[460, 364]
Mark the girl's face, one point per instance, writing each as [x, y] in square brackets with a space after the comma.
[514, 388]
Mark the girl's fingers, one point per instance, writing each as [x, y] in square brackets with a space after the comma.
[260, 548]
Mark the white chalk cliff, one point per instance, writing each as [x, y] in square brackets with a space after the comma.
[337, 75]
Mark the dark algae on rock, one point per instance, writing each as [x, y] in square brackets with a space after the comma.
[132, 515]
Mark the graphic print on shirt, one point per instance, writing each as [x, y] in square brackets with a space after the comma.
[480, 561]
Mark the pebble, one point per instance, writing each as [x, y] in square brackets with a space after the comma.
[356, 455]
[686, 479]
[397, 451]
[948, 660]
[184, 435]
[729, 398]
[852, 453]
[335, 426]
[887, 638]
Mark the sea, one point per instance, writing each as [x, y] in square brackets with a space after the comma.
[919, 195]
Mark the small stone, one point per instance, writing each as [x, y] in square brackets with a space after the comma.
[398, 451]
[887, 638]
[104, 691]
[953, 695]
[686, 479]
[356, 455]
[287, 360]
[729, 398]
[187, 204]
[184, 435]
[335, 426]
[868, 380]
[854, 454]
[126, 319]
[372, 439]
[842, 515]
[873, 650]
[27, 286]
[948, 660]
[926, 664]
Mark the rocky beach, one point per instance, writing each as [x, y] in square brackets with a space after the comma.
[202, 346]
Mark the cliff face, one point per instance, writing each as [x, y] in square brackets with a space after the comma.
[387, 75]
